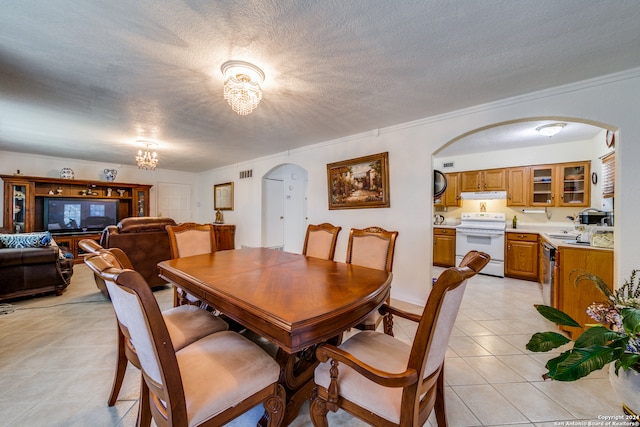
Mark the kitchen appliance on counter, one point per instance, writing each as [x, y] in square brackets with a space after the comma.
[482, 231]
[591, 216]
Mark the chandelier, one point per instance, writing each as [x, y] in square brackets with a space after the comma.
[147, 160]
[242, 86]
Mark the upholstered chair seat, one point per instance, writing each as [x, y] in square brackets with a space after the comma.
[210, 381]
[185, 324]
[385, 381]
[219, 371]
[380, 351]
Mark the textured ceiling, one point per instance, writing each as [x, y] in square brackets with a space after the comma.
[85, 79]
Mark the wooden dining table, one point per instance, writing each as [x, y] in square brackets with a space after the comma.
[293, 301]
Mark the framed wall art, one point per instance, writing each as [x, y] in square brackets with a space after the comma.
[223, 196]
[359, 183]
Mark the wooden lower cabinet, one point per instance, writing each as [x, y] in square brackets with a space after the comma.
[574, 298]
[225, 236]
[521, 260]
[444, 247]
[71, 242]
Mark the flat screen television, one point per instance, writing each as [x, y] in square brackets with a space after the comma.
[75, 214]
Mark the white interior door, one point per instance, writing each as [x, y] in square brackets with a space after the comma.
[273, 221]
[174, 201]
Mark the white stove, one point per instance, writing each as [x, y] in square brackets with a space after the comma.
[482, 231]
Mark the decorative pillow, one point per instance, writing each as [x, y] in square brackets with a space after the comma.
[26, 240]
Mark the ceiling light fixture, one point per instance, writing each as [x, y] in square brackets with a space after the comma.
[242, 86]
[550, 130]
[147, 160]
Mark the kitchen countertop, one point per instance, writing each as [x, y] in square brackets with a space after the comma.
[545, 233]
[549, 236]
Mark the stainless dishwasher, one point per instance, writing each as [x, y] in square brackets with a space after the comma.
[549, 259]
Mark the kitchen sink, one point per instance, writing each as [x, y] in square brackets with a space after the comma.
[575, 242]
[563, 236]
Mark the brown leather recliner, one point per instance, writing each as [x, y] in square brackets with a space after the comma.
[144, 240]
[31, 271]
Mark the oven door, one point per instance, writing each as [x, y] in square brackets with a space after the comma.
[485, 240]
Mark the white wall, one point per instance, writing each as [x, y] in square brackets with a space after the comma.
[411, 146]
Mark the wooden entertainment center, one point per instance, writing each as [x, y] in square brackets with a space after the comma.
[24, 201]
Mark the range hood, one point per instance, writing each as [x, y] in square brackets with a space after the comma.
[484, 195]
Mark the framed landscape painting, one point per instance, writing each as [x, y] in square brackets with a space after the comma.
[359, 183]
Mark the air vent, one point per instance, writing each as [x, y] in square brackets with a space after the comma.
[246, 174]
[447, 165]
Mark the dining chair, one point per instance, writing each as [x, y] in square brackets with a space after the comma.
[320, 241]
[186, 323]
[90, 246]
[372, 247]
[210, 381]
[185, 240]
[385, 381]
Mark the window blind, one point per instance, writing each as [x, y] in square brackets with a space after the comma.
[608, 175]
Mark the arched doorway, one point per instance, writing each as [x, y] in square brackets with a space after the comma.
[515, 146]
[517, 143]
[284, 207]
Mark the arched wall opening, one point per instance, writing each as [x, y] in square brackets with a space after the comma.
[588, 146]
[284, 207]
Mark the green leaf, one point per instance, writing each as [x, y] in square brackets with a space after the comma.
[556, 316]
[545, 341]
[631, 320]
[627, 360]
[598, 335]
[552, 364]
[581, 362]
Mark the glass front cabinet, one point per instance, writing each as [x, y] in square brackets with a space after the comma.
[575, 184]
[18, 212]
[141, 201]
[563, 184]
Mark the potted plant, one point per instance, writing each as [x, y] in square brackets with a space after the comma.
[615, 338]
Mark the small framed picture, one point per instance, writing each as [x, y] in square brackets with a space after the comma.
[223, 196]
[359, 183]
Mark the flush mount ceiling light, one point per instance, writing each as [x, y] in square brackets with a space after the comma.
[550, 130]
[147, 160]
[242, 86]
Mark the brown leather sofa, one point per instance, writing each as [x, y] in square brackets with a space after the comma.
[144, 240]
[31, 271]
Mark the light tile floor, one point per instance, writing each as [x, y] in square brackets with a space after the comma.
[57, 358]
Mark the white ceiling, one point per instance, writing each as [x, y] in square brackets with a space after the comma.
[85, 79]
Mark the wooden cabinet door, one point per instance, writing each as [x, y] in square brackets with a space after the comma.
[451, 195]
[225, 236]
[494, 180]
[470, 181]
[574, 184]
[19, 205]
[517, 186]
[140, 201]
[574, 299]
[444, 247]
[521, 260]
[542, 186]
